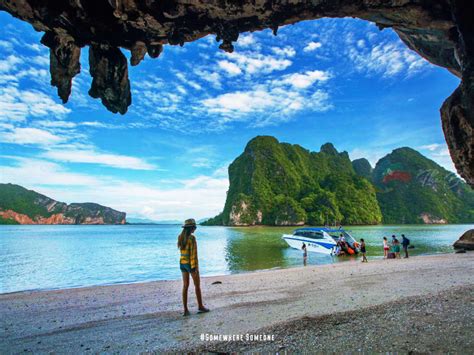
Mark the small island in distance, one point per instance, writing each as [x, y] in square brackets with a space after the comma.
[21, 206]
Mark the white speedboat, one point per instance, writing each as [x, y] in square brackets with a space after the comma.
[320, 240]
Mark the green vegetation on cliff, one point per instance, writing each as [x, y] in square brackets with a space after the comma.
[18, 202]
[7, 221]
[18, 199]
[276, 183]
[273, 183]
[414, 189]
[362, 168]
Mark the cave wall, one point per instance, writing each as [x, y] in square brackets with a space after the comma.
[439, 30]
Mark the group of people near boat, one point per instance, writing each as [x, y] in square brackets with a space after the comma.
[189, 267]
[392, 251]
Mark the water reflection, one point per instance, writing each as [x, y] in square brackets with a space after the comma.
[250, 249]
[42, 257]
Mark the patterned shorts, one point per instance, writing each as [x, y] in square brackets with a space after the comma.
[186, 268]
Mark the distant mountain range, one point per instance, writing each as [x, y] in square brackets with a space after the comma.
[21, 206]
[273, 183]
[133, 220]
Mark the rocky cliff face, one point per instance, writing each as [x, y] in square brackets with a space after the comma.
[29, 207]
[442, 31]
[414, 189]
[275, 183]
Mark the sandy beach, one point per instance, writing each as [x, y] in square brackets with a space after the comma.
[338, 307]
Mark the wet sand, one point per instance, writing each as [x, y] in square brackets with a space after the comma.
[147, 316]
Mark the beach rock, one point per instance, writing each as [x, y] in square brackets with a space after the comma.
[466, 241]
[441, 32]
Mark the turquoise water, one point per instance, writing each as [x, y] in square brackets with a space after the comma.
[47, 257]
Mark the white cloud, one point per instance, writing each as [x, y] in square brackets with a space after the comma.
[265, 105]
[10, 63]
[312, 46]
[306, 79]
[240, 102]
[93, 157]
[231, 68]
[34, 47]
[257, 63]
[6, 46]
[214, 78]
[246, 40]
[201, 162]
[430, 147]
[187, 81]
[42, 60]
[270, 102]
[361, 43]
[30, 136]
[28, 172]
[287, 51]
[8, 79]
[16, 104]
[387, 59]
[181, 89]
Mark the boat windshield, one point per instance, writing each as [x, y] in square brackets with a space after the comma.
[310, 234]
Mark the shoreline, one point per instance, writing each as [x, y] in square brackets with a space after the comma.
[249, 226]
[147, 316]
[351, 260]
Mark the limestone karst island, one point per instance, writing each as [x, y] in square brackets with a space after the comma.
[236, 177]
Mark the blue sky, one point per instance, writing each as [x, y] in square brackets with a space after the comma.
[194, 109]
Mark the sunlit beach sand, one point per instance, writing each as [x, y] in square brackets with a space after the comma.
[147, 316]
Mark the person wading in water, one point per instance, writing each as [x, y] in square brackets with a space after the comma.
[305, 254]
[188, 263]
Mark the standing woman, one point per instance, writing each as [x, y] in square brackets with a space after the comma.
[188, 263]
[396, 248]
[385, 247]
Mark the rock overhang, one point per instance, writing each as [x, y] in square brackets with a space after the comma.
[441, 31]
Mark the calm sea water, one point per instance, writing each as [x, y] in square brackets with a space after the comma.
[47, 257]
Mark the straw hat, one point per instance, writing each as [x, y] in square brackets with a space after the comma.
[189, 223]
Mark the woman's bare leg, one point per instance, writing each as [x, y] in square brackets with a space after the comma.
[185, 290]
[197, 287]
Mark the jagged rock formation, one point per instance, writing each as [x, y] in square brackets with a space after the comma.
[273, 183]
[442, 31]
[21, 206]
